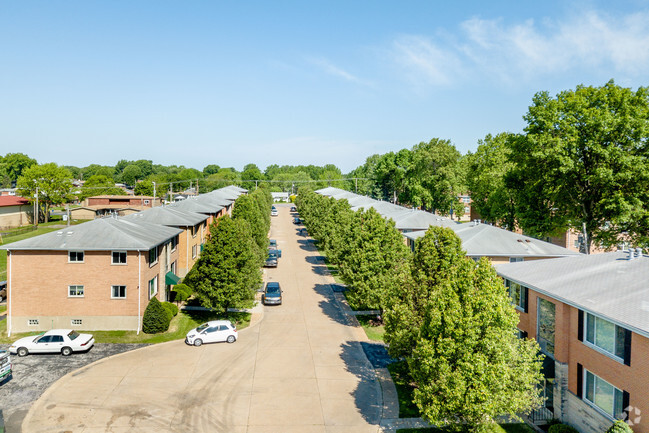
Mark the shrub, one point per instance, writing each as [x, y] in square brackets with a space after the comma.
[171, 308]
[562, 428]
[620, 427]
[182, 291]
[156, 317]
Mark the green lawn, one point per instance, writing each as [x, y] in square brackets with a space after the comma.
[178, 329]
[3, 308]
[373, 332]
[502, 428]
[401, 378]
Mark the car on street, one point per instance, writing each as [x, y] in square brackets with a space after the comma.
[272, 247]
[3, 290]
[5, 365]
[271, 260]
[272, 294]
[274, 212]
[293, 209]
[215, 331]
[296, 220]
[63, 341]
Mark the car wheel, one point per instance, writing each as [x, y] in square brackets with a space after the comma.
[66, 351]
[22, 351]
[198, 342]
[231, 339]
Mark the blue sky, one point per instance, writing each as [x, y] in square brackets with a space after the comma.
[293, 82]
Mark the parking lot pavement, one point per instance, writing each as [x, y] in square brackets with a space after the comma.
[33, 374]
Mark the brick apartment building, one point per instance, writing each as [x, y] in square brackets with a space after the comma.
[590, 315]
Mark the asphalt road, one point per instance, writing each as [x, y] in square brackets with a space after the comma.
[300, 369]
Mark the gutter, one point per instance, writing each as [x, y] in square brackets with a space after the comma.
[139, 290]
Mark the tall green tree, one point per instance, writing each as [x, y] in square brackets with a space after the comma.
[373, 260]
[16, 164]
[454, 323]
[52, 182]
[487, 168]
[131, 174]
[250, 175]
[246, 208]
[99, 185]
[391, 173]
[435, 177]
[227, 271]
[584, 163]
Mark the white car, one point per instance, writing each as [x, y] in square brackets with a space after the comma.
[274, 212]
[63, 341]
[212, 332]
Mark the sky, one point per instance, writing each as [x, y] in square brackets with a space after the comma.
[294, 82]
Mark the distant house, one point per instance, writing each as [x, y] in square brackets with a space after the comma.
[98, 275]
[280, 197]
[102, 205]
[590, 316]
[14, 211]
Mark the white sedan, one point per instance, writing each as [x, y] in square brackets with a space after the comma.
[63, 341]
[212, 332]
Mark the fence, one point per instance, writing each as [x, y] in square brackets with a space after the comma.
[16, 232]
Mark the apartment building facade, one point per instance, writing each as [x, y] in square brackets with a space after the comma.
[589, 314]
[99, 275]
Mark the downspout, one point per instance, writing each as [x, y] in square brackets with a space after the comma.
[139, 289]
[9, 310]
[188, 236]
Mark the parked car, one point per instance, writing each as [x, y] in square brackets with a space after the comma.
[296, 220]
[212, 332]
[274, 212]
[5, 365]
[273, 247]
[271, 260]
[272, 294]
[63, 341]
[293, 209]
[3, 290]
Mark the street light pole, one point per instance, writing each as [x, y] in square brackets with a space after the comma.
[36, 209]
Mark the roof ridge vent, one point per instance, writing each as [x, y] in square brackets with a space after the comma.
[630, 254]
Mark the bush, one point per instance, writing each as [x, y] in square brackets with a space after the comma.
[562, 428]
[182, 291]
[620, 427]
[171, 308]
[156, 317]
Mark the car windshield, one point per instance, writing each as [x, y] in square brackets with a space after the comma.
[73, 334]
[203, 327]
[272, 255]
[272, 290]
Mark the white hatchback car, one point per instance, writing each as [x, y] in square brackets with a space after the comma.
[212, 332]
[63, 341]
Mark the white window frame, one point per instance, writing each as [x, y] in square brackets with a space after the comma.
[32, 322]
[593, 344]
[194, 231]
[112, 258]
[520, 306]
[516, 259]
[600, 409]
[174, 243]
[153, 284]
[194, 252]
[112, 291]
[539, 301]
[83, 257]
[83, 291]
[76, 322]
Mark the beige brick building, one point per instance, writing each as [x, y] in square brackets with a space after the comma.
[589, 314]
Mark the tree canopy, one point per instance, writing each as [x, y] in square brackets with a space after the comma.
[52, 183]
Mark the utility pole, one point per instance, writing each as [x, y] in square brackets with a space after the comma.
[153, 204]
[36, 209]
[356, 182]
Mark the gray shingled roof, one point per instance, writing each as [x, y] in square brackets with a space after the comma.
[608, 285]
[420, 220]
[480, 240]
[191, 204]
[100, 235]
[167, 216]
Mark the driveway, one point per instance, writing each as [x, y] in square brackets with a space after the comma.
[300, 369]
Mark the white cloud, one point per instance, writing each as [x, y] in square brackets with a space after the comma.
[331, 69]
[527, 50]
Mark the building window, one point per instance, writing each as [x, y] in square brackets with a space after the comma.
[75, 291]
[75, 256]
[146, 202]
[118, 292]
[546, 324]
[466, 199]
[602, 394]
[467, 209]
[77, 322]
[32, 322]
[194, 231]
[174, 243]
[605, 335]
[515, 259]
[119, 257]
[518, 294]
[153, 256]
[153, 287]
[194, 251]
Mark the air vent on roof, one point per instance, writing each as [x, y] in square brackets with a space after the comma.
[638, 252]
[630, 254]
[59, 233]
